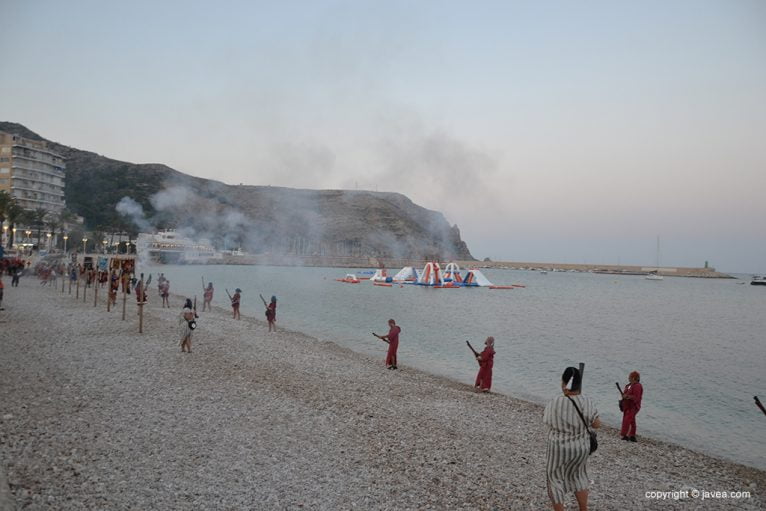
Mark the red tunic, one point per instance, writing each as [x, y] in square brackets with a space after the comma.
[630, 408]
[484, 378]
[393, 345]
[271, 312]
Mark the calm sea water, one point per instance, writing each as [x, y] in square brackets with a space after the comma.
[699, 344]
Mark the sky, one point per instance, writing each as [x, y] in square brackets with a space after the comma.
[553, 131]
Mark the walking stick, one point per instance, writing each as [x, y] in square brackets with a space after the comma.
[758, 403]
[141, 306]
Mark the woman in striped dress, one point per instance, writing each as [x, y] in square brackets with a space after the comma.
[568, 445]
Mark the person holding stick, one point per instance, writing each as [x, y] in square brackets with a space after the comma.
[392, 338]
[165, 293]
[207, 295]
[486, 360]
[631, 404]
[187, 325]
[235, 302]
[271, 312]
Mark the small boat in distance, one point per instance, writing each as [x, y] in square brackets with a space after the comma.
[350, 278]
[655, 275]
[758, 281]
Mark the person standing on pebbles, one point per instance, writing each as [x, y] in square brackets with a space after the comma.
[568, 445]
[486, 360]
[235, 300]
[271, 314]
[392, 338]
[207, 297]
[187, 325]
[631, 404]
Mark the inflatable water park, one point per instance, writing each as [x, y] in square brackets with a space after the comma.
[432, 275]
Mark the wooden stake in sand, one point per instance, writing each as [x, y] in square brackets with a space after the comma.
[140, 299]
[124, 301]
[77, 294]
[84, 289]
[63, 283]
[95, 294]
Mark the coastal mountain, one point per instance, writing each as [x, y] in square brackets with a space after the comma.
[260, 219]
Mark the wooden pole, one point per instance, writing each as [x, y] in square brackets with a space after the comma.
[69, 278]
[63, 283]
[77, 294]
[95, 295]
[109, 296]
[141, 306]
[124, 302]
[84, 289]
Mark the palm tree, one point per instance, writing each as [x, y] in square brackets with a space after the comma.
[15, 215]
[38, 220]
[5, 201]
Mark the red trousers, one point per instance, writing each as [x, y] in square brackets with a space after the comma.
[391, 355]
[628, 422]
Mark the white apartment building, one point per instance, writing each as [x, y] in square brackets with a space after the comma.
[31, 173]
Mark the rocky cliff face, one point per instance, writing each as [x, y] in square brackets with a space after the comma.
[259, 218]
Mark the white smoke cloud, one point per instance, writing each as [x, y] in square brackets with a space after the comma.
[135, 212]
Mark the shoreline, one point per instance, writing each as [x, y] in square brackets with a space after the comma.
[284, 419]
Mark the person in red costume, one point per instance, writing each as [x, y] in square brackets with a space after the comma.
[271, 314]
[486, 360]
[631, 404]
[392, 338]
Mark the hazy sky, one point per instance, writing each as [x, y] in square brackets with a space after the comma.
[548, 131]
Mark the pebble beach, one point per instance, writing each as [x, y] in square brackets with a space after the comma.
[94, 415]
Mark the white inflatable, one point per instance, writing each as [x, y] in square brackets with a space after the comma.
[475, 278]
[431, 275]
[381, 275]
[452, 273]
[406, 274]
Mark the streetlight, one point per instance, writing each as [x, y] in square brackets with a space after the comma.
[104, 242]
[49, 240]
[66, 237]
[14, 236]
[29, 240]
[84, 240]
[5, 233]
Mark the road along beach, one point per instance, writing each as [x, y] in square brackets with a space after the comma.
[95, 415]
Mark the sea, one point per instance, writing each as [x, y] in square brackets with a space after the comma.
[699, 344]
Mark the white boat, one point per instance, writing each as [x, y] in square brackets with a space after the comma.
[655, 275]
[170, 247]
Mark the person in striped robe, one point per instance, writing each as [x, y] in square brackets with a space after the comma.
[568, 445]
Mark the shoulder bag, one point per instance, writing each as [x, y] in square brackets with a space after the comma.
[592, 434]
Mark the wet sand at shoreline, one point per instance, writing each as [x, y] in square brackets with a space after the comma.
[94, 415]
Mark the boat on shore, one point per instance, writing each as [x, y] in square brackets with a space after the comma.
[758, 280]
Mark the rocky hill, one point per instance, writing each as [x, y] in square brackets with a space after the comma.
[261, 219]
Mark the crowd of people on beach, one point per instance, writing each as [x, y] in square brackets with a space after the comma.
[570, 418]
